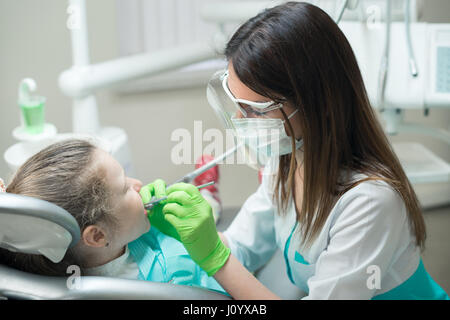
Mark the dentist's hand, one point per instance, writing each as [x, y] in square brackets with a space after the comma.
[191, 215]
[158, 189]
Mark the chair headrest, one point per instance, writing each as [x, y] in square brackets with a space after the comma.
[35, 226]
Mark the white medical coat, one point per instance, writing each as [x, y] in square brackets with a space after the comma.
[367, 235]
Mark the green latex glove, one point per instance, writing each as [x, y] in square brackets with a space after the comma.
[158, 189]
[191, 215]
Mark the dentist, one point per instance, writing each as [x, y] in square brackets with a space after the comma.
[333, 198]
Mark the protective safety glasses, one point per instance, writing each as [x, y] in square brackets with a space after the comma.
[249, 109]
[224, 103]
[247, 119]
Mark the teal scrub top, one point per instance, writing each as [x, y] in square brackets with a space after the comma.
[161, 258]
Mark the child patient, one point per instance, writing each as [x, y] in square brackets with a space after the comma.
[116, 238]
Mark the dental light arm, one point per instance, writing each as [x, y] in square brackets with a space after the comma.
[83, 81]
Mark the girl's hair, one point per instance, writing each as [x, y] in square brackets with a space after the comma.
[296, 54]
[64, 174]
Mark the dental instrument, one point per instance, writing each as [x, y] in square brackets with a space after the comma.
[384, 66]
[412, 58]
[152, 203]
[191, 175]
[341, 11]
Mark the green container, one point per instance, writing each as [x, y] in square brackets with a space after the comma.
[33, 115]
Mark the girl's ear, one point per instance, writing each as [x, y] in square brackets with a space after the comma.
[94, 236]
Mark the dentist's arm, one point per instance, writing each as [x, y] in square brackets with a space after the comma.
[192, 217]
[240, 283]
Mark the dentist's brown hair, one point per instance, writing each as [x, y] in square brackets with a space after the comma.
[296, 54]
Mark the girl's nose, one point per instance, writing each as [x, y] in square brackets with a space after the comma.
[137, 184]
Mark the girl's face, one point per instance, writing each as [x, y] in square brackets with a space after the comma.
[128, 209]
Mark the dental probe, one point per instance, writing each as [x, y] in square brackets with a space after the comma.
[151, 204]
[191, 175]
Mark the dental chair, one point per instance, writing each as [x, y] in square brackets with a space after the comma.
[35, 226]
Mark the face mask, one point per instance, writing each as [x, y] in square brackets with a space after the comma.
[264, 138]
